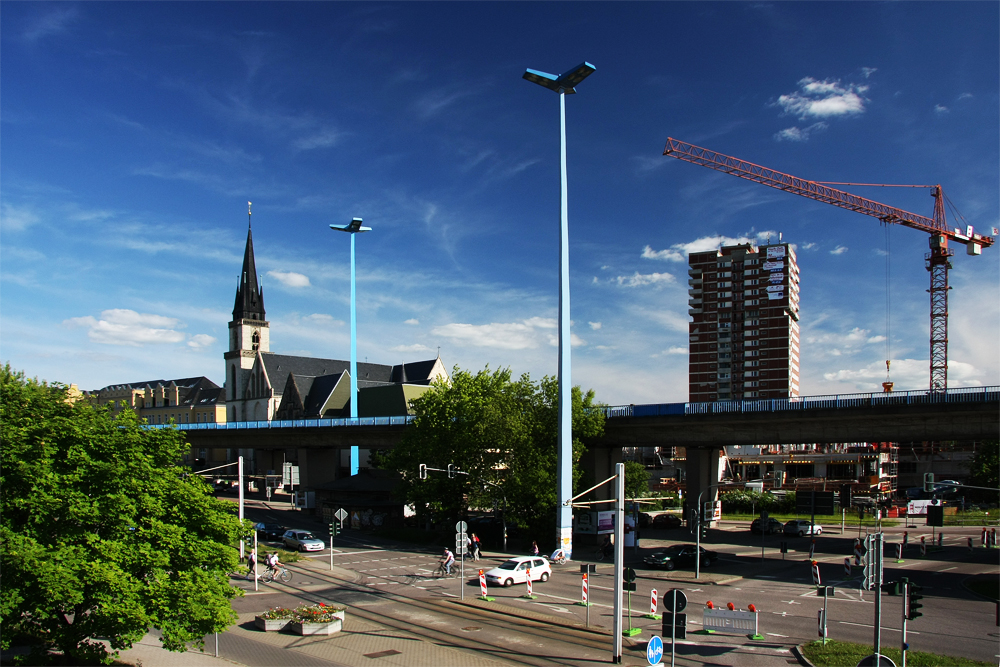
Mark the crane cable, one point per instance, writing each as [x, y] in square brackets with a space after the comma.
[887, 385]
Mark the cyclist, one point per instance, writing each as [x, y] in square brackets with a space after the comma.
[272, 563]
[558, 556]
[447, 560]
[606, 547]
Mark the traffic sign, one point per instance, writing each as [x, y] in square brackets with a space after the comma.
[461, 527]
[678, 622]
[869, 661]
[340, 514]
[675, 600]
[629, 574]
[654, 650]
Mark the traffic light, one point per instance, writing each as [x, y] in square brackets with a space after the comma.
[423, 471]
[333, 529]
[846, 495]
[929, 482]
[911, 601]
[892, 588]
[451, 471]
[703, 527]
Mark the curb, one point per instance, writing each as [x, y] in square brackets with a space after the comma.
[801, 657]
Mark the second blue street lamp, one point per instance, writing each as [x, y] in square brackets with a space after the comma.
[564, 84]
[353, 228]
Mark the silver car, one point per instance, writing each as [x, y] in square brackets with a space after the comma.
[302, 540]
[802, 527]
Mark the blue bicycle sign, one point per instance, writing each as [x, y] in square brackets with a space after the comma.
[654, 650]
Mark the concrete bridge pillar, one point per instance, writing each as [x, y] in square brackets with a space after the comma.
[703, 469]
[602, 462]
[317, 466]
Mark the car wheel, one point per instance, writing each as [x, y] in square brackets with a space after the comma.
[508, 583]
[669, 565]
[802, 533]
[545, 576]
[706, 562]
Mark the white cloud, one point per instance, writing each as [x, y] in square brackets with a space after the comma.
[904, 373]
[641, 279]
[526, 334]
[679, 251]
[15, 218]
[940, 109]
[416, 347]
[414, 321]
[839, 250]
[868, 71]
[675, 349]
[594, 325]
[199, 341]
[290, 278]
[120, 326]
[807, 246]
[322, 318]
[322, 139]
[823, 99]
[799, 133]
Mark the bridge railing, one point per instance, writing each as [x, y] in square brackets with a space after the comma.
[291, 423]
[834, 401]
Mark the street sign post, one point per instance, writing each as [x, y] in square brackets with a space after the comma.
[826, 592]
[654, 650]
[676, 601]
[872, 580]
[628, 575]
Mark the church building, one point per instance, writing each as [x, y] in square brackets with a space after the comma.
[261, 385]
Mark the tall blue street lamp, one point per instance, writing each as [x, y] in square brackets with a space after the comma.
[564, 85]
[353, 228]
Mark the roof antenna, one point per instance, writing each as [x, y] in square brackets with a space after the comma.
[779, 237]
[439, 351]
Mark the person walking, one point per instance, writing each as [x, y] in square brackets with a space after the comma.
[475, 546]
[534, 548]
[251, 564]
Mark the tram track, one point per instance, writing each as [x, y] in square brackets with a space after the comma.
[463, 622]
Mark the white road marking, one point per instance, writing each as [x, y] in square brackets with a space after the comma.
[791, 602]
[775, 634]
[946, 569]
[884, 627]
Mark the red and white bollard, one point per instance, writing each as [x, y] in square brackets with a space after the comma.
[857, 552]
[584, 590]
[812, 549]
[847, 566]
[899, 551]
[652, 602]
[970, 545]
[993, 538]
[906, 538]
[528, 580]
[482, 582]
[923, 546]
[815, 573]
[984, 536]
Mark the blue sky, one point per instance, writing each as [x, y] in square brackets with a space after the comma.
[133, 135]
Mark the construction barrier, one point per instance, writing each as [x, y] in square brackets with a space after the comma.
[482, 582]
[847, 567]
[815, 573]
[584, 591]
[652, 602]
[730, 621]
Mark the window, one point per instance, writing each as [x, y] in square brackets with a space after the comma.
[255, 340]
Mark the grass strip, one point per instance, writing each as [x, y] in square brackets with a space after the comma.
[847, 654]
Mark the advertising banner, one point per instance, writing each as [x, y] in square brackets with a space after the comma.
[777, 277]
[771, 266]
[775, 288]
[776, 252]
[605, 522]
[774, 296]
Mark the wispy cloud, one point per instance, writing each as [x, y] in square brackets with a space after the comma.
[839, 250]
[434, 102]
[323, 139]
[413, 321]
[416, 347]
[199, 341]
[55, 22]
[594, 325]
[290, 278]
[16, 218]
[523, 335]
[641, 279]
[940, 109]
[799, 133]
[121, 326]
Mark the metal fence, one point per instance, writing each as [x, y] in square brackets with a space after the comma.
[874, 399]
[291, 423]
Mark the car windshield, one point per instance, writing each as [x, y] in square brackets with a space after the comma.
[509, 565]
[306, 536]
[673, 551]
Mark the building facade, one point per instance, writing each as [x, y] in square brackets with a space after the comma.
[743, 337]
[181, 401]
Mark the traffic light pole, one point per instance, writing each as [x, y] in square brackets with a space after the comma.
[877, 558]
[906, 605]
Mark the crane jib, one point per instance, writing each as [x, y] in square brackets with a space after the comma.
[813, 190]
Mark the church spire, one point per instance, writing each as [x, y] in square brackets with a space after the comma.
[249, 297]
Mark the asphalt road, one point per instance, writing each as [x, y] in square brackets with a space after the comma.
[955, 622]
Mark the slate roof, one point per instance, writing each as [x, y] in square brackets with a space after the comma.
[201, 396]
[416, 372]
[278, 366]
[200, 382]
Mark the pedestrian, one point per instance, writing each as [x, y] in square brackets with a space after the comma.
[251, 563]
[475, 546]
[534, 548]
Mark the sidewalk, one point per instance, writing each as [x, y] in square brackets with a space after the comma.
[149, 652]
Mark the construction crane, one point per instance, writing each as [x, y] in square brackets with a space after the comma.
[937, 261]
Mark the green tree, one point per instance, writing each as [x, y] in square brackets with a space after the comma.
[103, 534]
[503, 433]
[984, 469]
[636, 480]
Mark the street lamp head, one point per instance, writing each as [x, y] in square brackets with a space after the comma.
[354, 227]
[562, 83]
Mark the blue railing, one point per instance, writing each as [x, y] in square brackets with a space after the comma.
[875, 399]
[291, 423]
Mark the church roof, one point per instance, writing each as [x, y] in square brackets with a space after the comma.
[249, 297]
[200, 382]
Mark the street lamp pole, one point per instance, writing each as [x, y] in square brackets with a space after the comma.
[353, 228]
[564, 84]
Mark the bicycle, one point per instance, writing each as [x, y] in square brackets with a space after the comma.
[269, 574]
[442, 572]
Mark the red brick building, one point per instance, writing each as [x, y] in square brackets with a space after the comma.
[744, 332]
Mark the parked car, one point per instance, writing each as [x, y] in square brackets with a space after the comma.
[773, 527]
[680, 555]
[644, 519]
[515, 571]
[302, 540]
[666, 520]
[270, 531]
[802, 527]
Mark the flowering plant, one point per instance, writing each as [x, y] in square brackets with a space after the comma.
[317, 613]
[278, 612]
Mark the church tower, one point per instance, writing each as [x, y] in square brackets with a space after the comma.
[249, 333]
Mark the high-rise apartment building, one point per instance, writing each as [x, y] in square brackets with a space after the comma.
[743, 338]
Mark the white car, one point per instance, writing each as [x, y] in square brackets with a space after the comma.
[515, 571]
[302, 540]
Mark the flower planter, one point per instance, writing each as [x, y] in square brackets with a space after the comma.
[317, 628]
[271, 624]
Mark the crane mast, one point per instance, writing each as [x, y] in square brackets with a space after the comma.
[937, 261]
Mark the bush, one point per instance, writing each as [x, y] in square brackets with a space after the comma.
[754, 502]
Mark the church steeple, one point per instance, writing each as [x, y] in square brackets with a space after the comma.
[249, 297]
